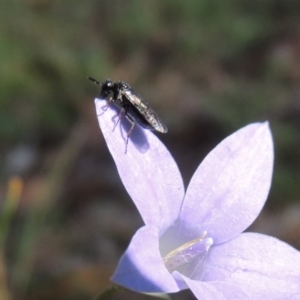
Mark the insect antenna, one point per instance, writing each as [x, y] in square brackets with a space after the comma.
[109, 101]
[94, 80]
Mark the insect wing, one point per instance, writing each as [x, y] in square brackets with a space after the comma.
[145, 111]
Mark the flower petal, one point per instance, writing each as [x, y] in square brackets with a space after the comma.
[231, 185]
[264, 267]
[148, 170]
[213, 290]
[141, 267]
[230, 290]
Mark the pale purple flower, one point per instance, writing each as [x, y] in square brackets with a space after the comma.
[194, 239]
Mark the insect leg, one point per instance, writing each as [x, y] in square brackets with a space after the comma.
[105, 108]
[110, 101]
[119, 116]
[132, 122]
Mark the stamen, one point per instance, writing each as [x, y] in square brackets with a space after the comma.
[187, 252]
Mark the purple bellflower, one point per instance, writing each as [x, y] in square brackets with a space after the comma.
[194, 239]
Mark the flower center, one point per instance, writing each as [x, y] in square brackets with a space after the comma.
[192, 251]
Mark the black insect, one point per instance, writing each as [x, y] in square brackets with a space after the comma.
[133, 106]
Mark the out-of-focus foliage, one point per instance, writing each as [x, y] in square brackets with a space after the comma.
[208, 67]
[48, 47]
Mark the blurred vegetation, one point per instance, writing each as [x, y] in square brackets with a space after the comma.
[208, 67]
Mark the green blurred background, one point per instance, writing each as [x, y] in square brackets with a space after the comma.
[208, 67]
